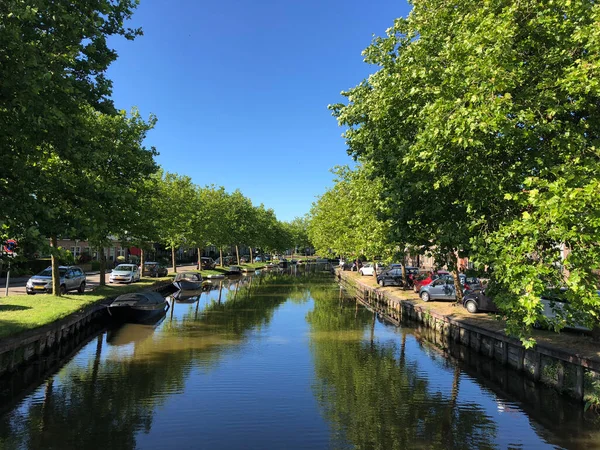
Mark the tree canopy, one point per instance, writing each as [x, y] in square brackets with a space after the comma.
[482, 123]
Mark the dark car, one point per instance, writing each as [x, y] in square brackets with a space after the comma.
[476, 301]
[154, 269]
[393, 276]
[207, 263]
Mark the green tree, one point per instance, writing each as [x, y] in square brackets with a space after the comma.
[298, 229]
[473, 105]
[53, 61]
[175, 203]
[346, 219]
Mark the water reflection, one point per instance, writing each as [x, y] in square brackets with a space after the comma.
[377, 398]
[269, 361]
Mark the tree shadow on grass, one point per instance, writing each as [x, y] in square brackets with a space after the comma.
[6, 308]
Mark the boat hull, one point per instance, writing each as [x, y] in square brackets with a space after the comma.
[137, 314]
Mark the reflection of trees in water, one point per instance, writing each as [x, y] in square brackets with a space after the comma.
[375, 398]
[104, 404]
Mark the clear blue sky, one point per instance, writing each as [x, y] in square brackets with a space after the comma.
[241, 89]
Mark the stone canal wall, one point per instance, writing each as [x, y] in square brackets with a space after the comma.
[563, 369]
[32, 345]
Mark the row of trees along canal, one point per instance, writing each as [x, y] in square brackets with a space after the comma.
[73, 165]
[478, 135]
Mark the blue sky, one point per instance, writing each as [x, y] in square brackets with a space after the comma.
[241, 89]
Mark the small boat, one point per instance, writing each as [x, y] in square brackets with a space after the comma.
[138, 306]
[248, 269]
[188, 281]
[233, 270]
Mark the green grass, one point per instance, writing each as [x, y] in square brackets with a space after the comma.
[19, 313]
[256, 265]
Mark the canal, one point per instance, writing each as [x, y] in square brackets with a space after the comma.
[280, 361]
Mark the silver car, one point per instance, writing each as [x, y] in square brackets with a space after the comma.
[71, 278]
[440, 289]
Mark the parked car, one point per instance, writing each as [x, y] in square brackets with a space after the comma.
[392, 275]
[258, 259]
[345, 265]
[426, 279]
[71, 278]
[368, 269]
[227, 260]
[441, 289]
[207, 263]
[554, 303]
[356, 265]
[470, 283]
[125, 273]
[154, 269]
[476, 301]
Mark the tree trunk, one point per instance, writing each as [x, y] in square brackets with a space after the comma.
[237, 254]
[102, 267]
[457, 285]
[142, 262]
[251, 260]
[221, 256]
[199, 258]
[374, 269]
[404, 280]
[173, 259]
[55, 264]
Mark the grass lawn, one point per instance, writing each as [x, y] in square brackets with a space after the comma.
[256, 265]
[20, 313]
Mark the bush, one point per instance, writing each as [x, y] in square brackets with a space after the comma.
[95, 265]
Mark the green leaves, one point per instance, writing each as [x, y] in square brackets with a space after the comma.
[482, 125]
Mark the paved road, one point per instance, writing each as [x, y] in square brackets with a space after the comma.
[17, 285]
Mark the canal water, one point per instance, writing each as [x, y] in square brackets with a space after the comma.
[280, 362]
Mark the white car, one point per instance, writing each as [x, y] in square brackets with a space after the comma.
[368, 270]
[125, 273]
[554, 306]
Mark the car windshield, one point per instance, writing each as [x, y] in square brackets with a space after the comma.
[48, 272]
[125, 267]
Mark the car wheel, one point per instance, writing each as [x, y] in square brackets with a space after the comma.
[425, 296]
[382, 283]
[30, 293]
[81, 287]
[62, 289]
[471, 306]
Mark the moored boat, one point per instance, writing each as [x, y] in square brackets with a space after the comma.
[188, 281]
[233, 270]
[138, 306]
